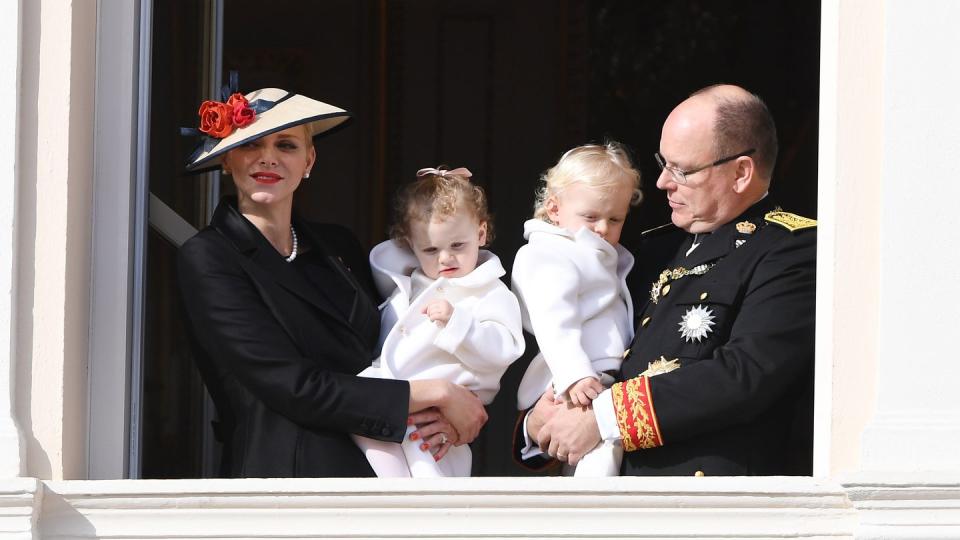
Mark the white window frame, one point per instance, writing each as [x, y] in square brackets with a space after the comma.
[119, 230]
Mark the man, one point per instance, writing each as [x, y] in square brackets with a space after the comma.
[719, 378]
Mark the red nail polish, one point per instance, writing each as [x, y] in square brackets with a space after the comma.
[436, 458]
[425, 446]
[414, 436]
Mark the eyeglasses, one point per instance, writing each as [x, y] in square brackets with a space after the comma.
[680, 176]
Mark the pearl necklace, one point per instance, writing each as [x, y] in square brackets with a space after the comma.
[293, 252]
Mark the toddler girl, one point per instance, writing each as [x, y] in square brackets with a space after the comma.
[570, 279]
[447, 314]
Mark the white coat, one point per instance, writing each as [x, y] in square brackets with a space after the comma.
[574, 300]
[482, 338]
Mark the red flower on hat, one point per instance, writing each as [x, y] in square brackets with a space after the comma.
[219, 119]
[243, 115]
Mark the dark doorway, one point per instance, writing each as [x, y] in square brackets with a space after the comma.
[502, 87]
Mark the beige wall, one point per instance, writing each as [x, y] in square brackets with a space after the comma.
[55, 214]
[53, 233]
[849, 199]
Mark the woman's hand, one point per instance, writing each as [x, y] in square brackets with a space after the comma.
[461, 407]
[435, 432]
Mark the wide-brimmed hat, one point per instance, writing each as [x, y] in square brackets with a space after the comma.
[261, 112]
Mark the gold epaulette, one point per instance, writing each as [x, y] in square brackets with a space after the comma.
[636, 417]
[789, 221]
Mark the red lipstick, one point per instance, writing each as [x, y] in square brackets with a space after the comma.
[266, 177]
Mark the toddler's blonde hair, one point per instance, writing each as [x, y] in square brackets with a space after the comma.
[601, 166]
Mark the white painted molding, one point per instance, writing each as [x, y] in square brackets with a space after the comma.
[904, 505]
[169, 223]
[448, 508]
[917, 422]
[11, 441]
[110, 303]
[20, 500]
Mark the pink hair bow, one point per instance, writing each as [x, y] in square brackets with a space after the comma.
[462, 171]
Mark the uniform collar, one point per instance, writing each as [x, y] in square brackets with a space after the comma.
[723, 240]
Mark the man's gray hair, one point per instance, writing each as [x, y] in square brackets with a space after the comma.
[744, 122]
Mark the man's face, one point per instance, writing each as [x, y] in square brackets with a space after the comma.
[708, 199]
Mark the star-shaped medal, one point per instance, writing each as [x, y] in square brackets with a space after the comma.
[696, 324]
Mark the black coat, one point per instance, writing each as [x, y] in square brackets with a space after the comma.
[279, 348]
[742, 401]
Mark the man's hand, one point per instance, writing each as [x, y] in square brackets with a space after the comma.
[570, 433]
[439, 312]
[542, 411]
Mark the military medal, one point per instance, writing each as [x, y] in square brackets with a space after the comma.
[661, 366]
[696, 324]
[745, 227]
[675, 274]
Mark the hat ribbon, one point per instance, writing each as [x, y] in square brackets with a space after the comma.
[462, 171]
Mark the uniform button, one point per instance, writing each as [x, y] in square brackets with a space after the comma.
[440, 289]
[698, 473]
[645, 321]
[666, 290]
[626, 353]
[402, 329]
[703, 296]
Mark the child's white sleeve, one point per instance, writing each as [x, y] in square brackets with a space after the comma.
[487, 335]
[548, 284]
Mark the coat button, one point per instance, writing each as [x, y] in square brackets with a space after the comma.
[440, 289]
[402, 329]
[703, 296]
[645, 322]
[698, 473]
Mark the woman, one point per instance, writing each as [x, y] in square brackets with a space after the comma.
[285, 311]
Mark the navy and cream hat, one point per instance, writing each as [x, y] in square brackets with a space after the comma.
[266, 111]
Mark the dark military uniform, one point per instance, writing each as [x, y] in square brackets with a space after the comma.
[735, 318]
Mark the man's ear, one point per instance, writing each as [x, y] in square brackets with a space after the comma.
[483, 233]
[746, 169]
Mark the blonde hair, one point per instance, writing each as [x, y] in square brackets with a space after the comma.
[308, 131]
[435, 196]
[601, 166]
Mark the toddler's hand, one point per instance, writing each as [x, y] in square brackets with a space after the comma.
[584, 391]
[439, 311]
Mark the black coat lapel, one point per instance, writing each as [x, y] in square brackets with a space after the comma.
[263, 262]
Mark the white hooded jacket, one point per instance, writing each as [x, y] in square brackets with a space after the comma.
[574, 299]
[481, 339]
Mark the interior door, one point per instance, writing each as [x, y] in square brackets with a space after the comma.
[502, 87]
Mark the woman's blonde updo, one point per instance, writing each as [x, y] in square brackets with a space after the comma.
[437, 196]
[601, 166]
